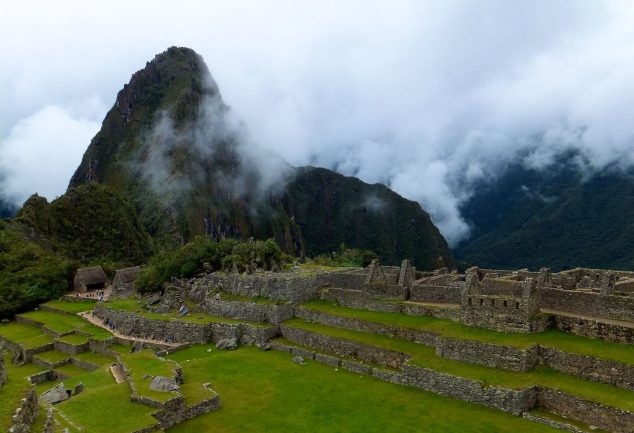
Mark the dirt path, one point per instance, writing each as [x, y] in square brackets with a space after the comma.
[99, 322]
[587, 317]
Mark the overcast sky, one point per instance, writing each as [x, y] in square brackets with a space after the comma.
[424, 96]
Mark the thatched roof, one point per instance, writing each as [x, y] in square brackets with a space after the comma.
[127, 275]
[88, 276]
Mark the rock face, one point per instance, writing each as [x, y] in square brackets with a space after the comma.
[55, 395]
[162, 383]
[227, 344]
[169, 145]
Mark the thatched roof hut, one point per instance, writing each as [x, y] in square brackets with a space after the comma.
[90, 279]
[124, 278]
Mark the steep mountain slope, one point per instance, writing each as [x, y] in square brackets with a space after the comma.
[555, 218]
[174, 149]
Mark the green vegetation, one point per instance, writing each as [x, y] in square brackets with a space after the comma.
[64, 323]
[107, 409]
[135, 306]
[560, 340]
[191, 259]
[27, 336]
[74, 339]
[29, 273]
[288, 397]
[425, 356]
[11, 393]
[557, 217]
[53, 356]
[346, 257]
[76, 306]
[142, 366]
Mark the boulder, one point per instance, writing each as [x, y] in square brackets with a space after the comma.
[162, 383]
[227, 344]
[79, 388]
[298, 360]
[263, 346]
[55, 395]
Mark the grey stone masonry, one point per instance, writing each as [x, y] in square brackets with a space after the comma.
[407, 274]
[134, 325]
[3, 372]
[250, 311]
[603, 417]
[487, 354]
[26, 414]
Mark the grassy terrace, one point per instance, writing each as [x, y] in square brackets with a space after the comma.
[424, 356]
[560, 340]
[28, 336]
[144, 363]
[287, 398]
[63, 323]
[13, 391]
[73, 306]
[107, 409]
[74, 339]
[135, 306]
[52, 356]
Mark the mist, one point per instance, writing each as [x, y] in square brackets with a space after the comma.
[427, 97]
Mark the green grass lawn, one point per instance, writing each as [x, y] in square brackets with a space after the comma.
[560, 340]
[73, 306]
[64, 323]
[53, 356]
[265, 392]
[94, 358]
[12, 391]
[425, 356]
[143, 363]
[28, 336]
[107, 409]
[135, 306]
[74, 339]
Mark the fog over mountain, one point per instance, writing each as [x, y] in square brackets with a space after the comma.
[427, 97]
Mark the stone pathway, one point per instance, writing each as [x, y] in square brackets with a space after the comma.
[99, 322]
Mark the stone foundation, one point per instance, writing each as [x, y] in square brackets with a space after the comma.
[250, 311]
[487, 354]
[134, 325]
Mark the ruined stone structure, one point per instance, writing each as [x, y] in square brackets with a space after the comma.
[90, 279]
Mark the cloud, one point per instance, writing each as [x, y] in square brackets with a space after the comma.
[42, 150]
[427, 97]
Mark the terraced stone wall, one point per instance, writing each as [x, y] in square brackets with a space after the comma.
[432, 293]
[603, 417]
[587, 327]
[250, 311]
[588, 303]
[134, 325]
[489, 355]
[357, 299]
[345, 348]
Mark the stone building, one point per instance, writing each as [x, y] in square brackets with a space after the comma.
[510, 304]
[90, 279]
[124, 279]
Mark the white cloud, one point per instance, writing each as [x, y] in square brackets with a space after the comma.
[425, 96]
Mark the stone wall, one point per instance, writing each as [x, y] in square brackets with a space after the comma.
[487, 354]
[589, 368]
[449, 312]
[3, 371]
[345, 348]
[250, 311]
[134, 325]
[25, 415]
[603, 417]
[587, 327]
[432, 293]
[331, 320]
[588, 303]
[357, 299]
[176, 415]
[71, 349]
[508, 400]
[278, 287]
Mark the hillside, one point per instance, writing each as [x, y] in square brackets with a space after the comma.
[556, 218]
[173, 147]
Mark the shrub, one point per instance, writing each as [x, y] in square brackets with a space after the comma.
[346, 257]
